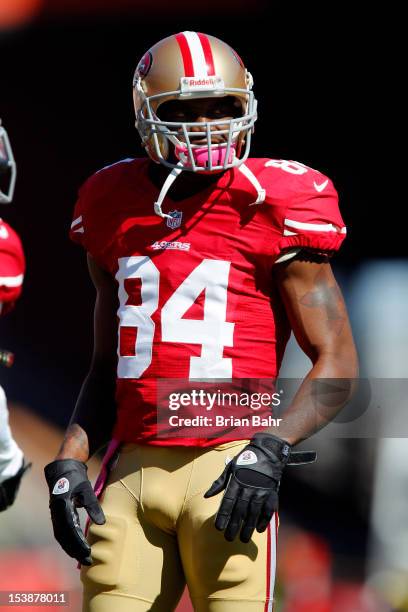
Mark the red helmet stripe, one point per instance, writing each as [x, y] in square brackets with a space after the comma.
[186, 54]
[209, 59]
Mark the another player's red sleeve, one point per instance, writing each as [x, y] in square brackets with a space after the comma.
[12, 267]
[312, 218]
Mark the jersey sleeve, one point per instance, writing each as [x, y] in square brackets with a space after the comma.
[312, 218]
[77, 229]
[88, 217]
[97, 215]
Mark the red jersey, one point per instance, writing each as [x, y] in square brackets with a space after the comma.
[196, 293]
[12, 267]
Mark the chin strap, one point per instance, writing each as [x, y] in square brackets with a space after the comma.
[163, 192]
[254, 181]
[179, 168]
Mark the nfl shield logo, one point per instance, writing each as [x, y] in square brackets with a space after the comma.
[175, 221]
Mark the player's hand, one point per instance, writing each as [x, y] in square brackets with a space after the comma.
[252, 480]
[9, 488]
[70, 489]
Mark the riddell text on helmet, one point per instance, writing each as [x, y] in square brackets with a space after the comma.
[191, 83]
[196, 82]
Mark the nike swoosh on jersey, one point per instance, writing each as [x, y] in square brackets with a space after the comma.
[320, 188]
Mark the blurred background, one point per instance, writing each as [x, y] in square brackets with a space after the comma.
[66, 70]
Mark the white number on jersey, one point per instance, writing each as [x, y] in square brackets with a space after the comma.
[288, 166]
[212, 332]
[137, 316]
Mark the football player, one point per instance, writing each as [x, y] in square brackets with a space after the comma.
[12, 268]
[203, 260]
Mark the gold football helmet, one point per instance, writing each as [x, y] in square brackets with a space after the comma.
[187, 66]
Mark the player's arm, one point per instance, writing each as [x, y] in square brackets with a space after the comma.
[94, 415]
[90, 428]
[318, 316]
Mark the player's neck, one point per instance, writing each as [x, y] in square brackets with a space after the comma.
[187, 183]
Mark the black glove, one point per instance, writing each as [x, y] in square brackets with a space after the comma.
[252, 481]
[9, 488]
[70, 489]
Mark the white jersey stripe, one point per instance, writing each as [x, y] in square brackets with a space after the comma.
[76, 221]
[12, 281]
[272, 570]
[315, 227]
[197, 54]
[80, 230]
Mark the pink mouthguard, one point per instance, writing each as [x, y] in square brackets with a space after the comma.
[201, 157]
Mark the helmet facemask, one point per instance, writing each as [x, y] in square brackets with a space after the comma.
[8, 170]
[160, 137]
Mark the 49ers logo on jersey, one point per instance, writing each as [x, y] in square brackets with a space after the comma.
[144, 65]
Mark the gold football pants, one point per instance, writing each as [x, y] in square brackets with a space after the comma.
[159, 535]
